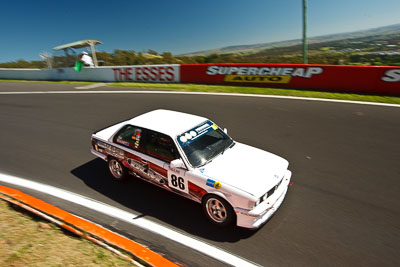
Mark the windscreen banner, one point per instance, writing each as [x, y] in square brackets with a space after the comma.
[364, 79]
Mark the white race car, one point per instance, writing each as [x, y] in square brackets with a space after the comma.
[191, 156]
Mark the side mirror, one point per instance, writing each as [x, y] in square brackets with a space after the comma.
[225, 130]
[177, 163]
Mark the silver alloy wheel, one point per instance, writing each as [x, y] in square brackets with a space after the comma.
[216, 210]
[116, 168]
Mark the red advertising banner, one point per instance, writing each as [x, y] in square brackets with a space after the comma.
[364, 79]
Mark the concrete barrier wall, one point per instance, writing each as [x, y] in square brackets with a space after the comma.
[25, 74]
[145, 73]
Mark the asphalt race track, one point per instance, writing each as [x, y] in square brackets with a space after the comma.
[343, 209]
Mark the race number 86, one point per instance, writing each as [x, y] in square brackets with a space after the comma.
[178, 182]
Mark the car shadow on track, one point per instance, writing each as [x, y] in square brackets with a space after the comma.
[150, 200]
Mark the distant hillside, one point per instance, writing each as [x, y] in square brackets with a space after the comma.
[377, 47]
[386, 30]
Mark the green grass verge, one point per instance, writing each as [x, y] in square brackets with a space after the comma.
[241, 90]
[28, 240]
[262, 91]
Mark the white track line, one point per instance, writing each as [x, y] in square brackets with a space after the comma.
[204, 93]
[130, 218]
[91, 86]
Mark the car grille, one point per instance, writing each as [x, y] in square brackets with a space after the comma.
[273, 189]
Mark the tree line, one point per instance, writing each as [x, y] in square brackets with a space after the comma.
[288, 55]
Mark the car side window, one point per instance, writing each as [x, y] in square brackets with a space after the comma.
[130, 136]
[161, 146]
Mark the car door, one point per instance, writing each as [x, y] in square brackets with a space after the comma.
[161, 151]
[148, 154]
[131, 138]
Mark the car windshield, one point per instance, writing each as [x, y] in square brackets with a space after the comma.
[203, 143]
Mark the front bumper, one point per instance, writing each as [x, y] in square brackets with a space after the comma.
[257, 216]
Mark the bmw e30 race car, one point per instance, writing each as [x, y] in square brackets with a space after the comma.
[191, 156]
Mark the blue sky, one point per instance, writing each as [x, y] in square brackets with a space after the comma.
[177, 26]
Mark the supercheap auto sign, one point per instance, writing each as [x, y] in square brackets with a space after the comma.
[262, 74]
[384, 80]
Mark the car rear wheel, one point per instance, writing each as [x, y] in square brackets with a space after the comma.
[218, 210]
[117, 170]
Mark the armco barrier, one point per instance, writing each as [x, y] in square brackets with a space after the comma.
[365, 79]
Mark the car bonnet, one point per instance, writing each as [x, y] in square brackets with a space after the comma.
[247, 168]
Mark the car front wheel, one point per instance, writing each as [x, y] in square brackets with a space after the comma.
[218, 210]
[117, 170]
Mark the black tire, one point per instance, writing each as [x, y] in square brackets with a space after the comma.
[218, 210]
[117, 170]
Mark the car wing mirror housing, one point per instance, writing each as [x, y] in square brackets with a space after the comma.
[178, 163]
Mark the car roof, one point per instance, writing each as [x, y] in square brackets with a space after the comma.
[168, 122]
